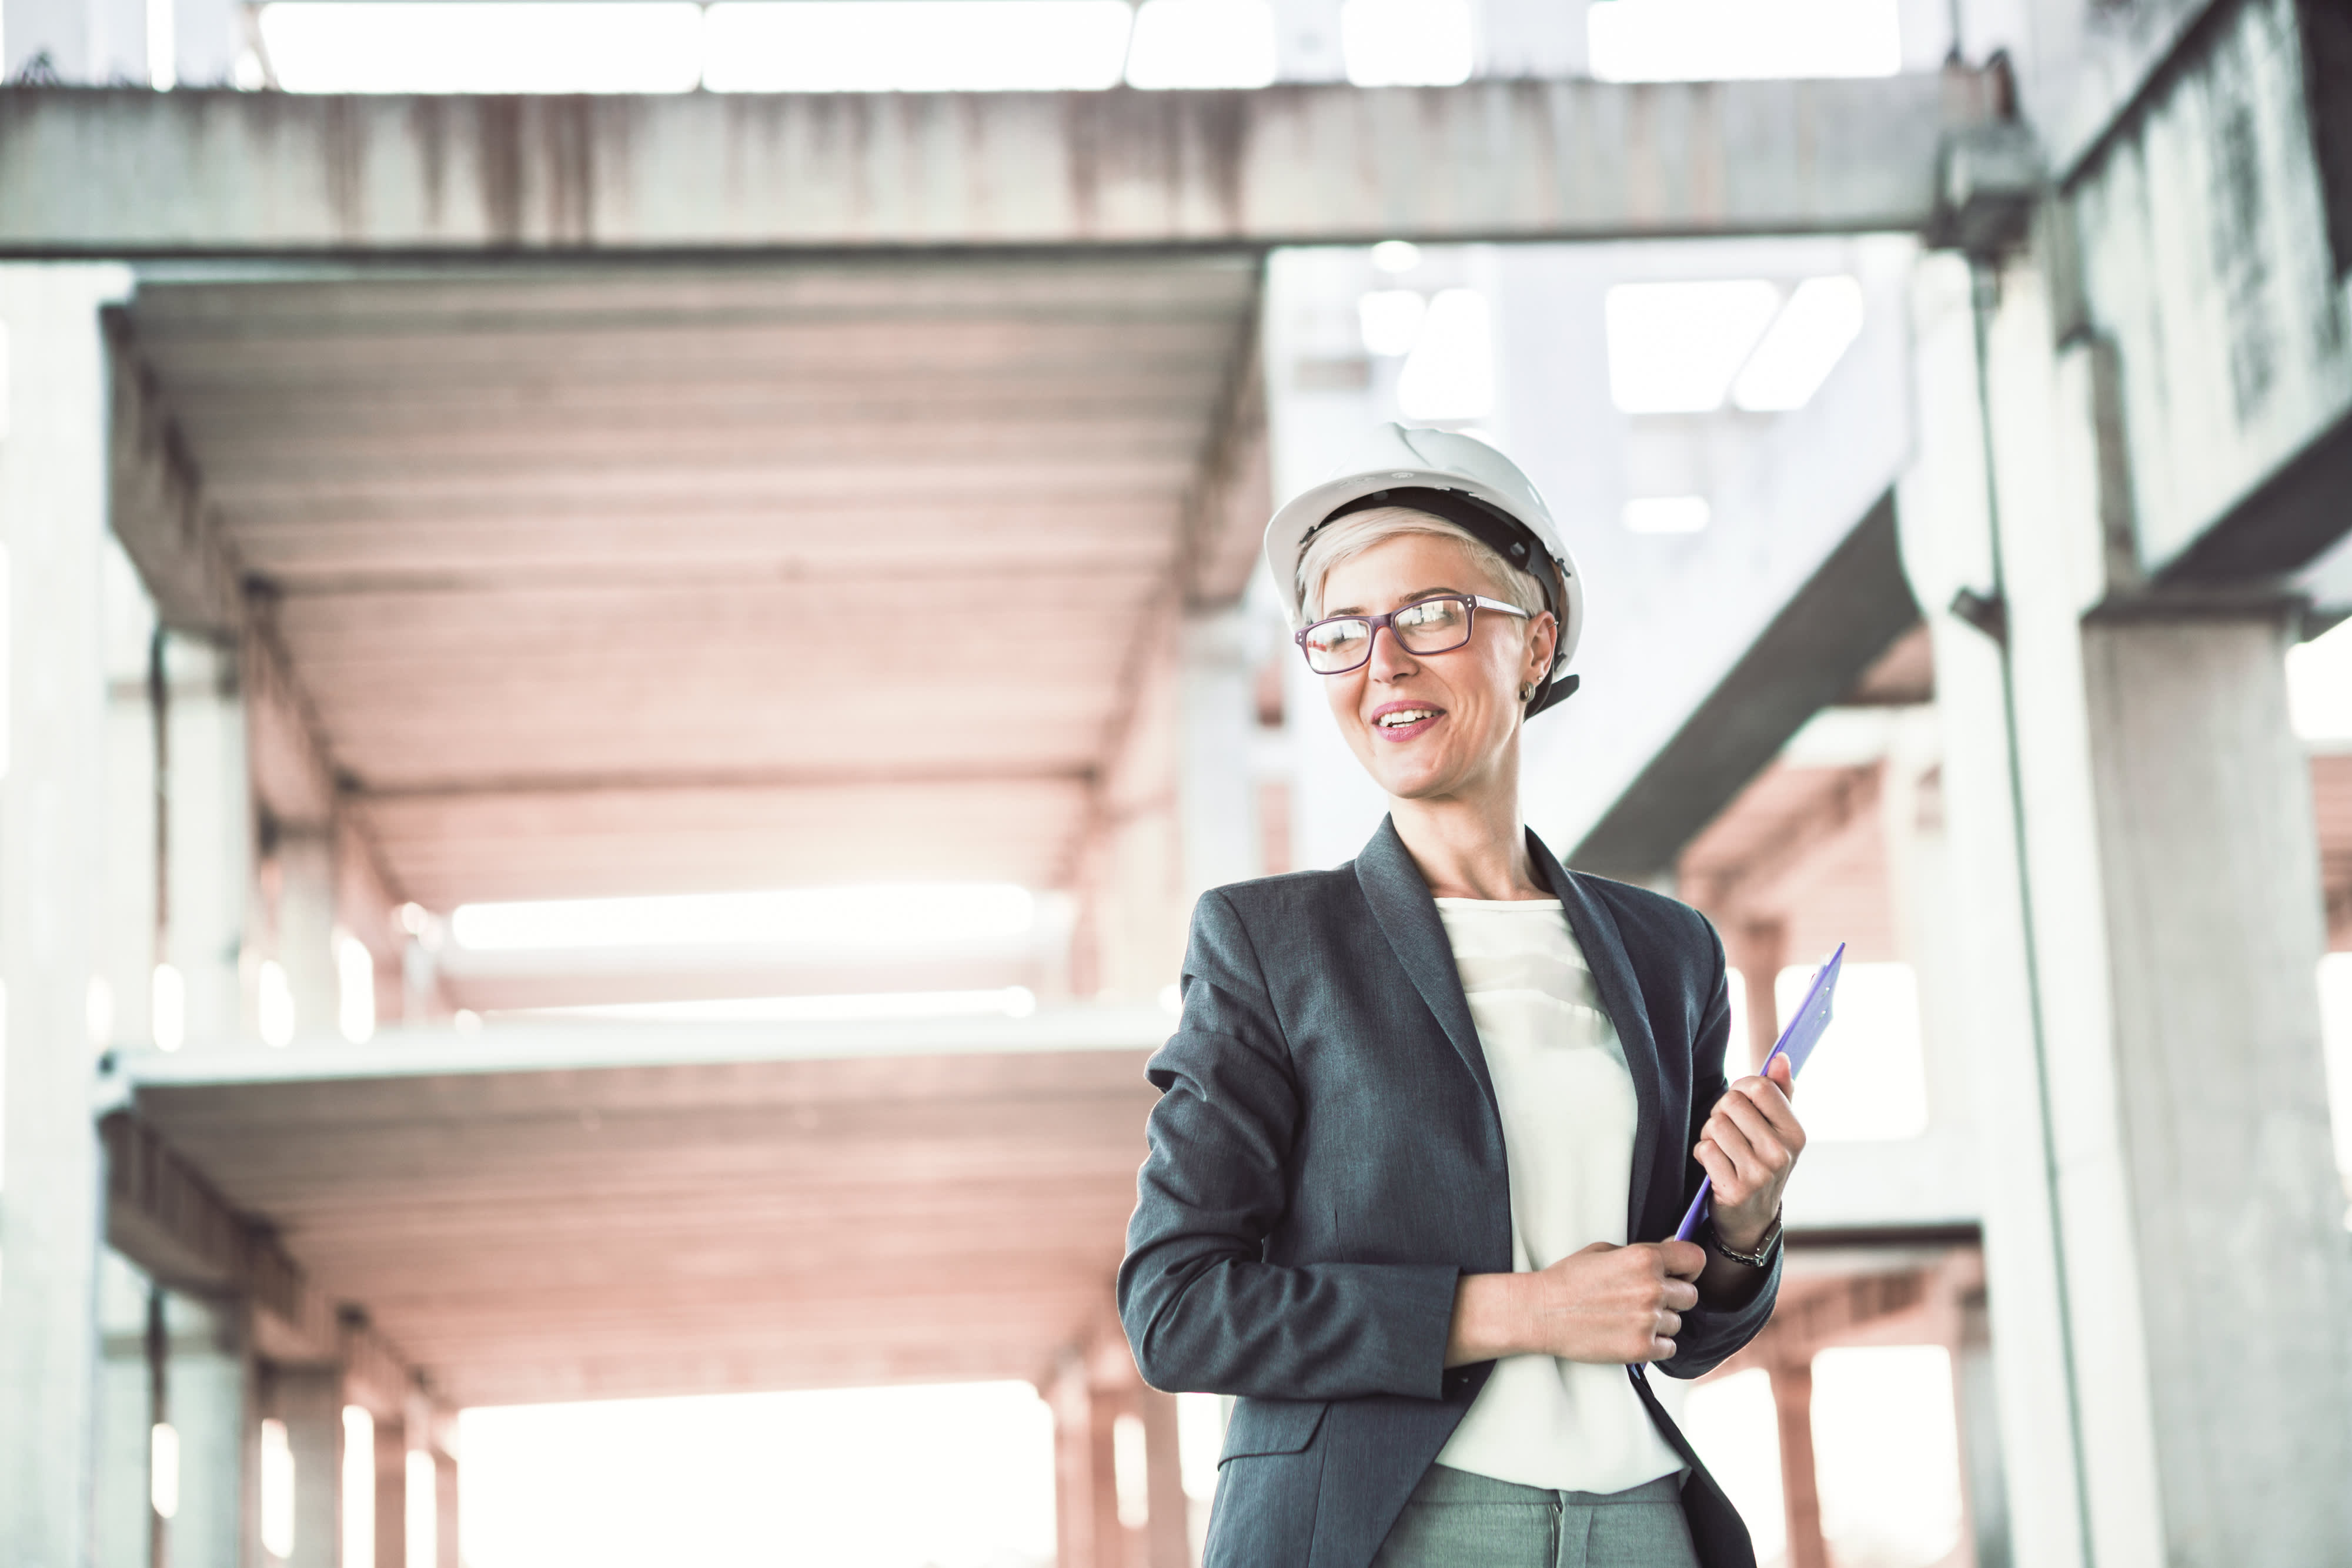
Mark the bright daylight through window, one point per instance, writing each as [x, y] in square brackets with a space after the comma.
[1407, 43]
[778, 46]
[1857, 1095]
[1689, 347]
[1721, 41]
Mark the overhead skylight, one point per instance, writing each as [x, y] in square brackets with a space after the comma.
[1008, 1001]
[1406, 43]
[1390, 320]
[1806, 341]
[485, 46]
[878, 916]
[1201, 44]
[1396, 256]
[1674, 347]
[1450, 374]
[1722, 40]
[915, 46]
[1667, 514]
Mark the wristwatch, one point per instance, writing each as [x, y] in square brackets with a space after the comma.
[1763, 1253]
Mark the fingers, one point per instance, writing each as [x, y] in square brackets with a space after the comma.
[1661, 1349]
[1724, 1153]
[1770, 1096]
[1681, 1296]
[1780, 1072]
[1682, 1260]
[1741, 1131]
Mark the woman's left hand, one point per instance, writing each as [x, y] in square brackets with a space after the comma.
[1749, 1145]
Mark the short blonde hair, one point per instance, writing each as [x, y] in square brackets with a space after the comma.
[1352, 535]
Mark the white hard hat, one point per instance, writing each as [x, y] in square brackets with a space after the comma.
[1463, 480]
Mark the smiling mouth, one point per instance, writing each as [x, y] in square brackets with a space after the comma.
[1404, 717]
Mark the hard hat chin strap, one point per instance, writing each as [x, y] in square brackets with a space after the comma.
[1557, 692]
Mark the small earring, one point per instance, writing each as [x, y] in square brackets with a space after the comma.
[1527, 690]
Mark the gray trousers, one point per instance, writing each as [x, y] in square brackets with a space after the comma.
[1456, 1520]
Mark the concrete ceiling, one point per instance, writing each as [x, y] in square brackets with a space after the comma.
[649, 578]
[948, 1206]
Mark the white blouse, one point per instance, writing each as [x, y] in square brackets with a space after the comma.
[1569, 1110]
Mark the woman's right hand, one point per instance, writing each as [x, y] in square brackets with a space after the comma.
[1609, 1304]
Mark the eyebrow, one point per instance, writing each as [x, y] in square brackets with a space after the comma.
[1415, 596]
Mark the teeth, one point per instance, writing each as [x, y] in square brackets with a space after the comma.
[1405, 716]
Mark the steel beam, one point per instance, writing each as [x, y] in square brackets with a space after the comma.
[136, 173]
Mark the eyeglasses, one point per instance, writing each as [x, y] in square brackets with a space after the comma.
[1436, 625]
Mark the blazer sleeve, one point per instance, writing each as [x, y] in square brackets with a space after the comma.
[1204, 1311]
[1710, 1335]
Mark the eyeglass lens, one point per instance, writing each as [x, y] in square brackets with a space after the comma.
[1431, 626]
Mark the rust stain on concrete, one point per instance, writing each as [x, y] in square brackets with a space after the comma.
[567, 138]
[1705, 195]
[429, 129]
[342, 155]
[497, 155]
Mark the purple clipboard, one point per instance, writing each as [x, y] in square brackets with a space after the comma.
[1796, 1043]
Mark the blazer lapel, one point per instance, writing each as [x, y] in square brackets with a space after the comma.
[1401, 903]
[1612, 973]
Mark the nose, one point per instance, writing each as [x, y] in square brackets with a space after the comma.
[1389, 660]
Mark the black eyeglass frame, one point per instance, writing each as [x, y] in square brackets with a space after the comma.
[1471, 603]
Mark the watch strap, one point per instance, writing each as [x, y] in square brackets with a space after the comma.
[1763, 1253]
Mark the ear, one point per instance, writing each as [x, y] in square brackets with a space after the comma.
[1543, 639]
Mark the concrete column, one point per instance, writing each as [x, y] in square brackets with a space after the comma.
[1167, 1535]
[305, 926]
[208, 875]
[1945, 513]
[2132, 814]
[391, 1492]
[2211, 874]
[1110, 1542]
[1074, 1492]
[1216, 788]
[1979, 1404]
[310, 1400]
[1758, 949]
[124, 1515]
[216, 1411]
[1792, 1402]
[128, 937]
[53, 522]
[445, 1510]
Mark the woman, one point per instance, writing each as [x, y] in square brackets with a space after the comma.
[1430, 1119]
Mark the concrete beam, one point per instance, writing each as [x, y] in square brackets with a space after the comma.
[163, 1216]
[538, 1048]
[223, 173]
[1811, 653]
[2196, 244]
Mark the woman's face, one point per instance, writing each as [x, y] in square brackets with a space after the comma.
[1432, 725]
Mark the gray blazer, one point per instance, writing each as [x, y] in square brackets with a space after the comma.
[1327, 1159]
